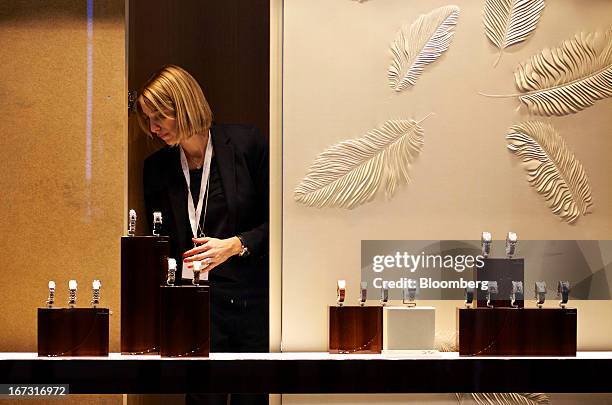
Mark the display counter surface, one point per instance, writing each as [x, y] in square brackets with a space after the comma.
[418, 372]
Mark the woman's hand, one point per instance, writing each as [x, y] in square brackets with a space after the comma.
[212, 251]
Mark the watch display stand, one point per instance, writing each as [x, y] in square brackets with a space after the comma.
[185, 321]
[355, 329]
[408, 328]
[517, 331]
[143, 269]
[73, 332]
[504, 271]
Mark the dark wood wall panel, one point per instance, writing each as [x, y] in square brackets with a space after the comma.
[225, 45]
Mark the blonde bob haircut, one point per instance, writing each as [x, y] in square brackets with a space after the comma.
[175, 94]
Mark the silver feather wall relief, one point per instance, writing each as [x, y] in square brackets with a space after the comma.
[353, 172]
[420, 44]
[552, 169]
[567, 79]
[508, 22]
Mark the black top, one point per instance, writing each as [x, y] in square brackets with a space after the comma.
[215, 222]
[215, 206]
[238, 204]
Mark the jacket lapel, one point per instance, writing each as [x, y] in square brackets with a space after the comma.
[224, 152]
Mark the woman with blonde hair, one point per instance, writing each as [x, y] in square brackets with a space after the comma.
[211, 184]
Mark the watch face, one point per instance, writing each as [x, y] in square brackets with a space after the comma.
[245, 251]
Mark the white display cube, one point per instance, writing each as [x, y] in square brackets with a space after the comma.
[408, 328]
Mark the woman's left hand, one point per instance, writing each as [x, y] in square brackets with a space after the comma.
[212, 251]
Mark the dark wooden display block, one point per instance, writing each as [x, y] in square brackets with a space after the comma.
[517, 331]
[185, 321]
[355, 329]
[504, 271]
[144, 264]
[72, 332]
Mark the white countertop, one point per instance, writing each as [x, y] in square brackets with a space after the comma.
[416, 355]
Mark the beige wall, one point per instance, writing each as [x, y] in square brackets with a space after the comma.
[335, 61]
[276, 198]
[58, 222]
[72, 399]
[465, 180]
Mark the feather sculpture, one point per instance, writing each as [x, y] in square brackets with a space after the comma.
[552, 168]
[352, 172]
[420, 44]
[508, 22]
[567, 79]
[511, 399]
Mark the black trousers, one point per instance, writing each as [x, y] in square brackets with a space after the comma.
[239, 324]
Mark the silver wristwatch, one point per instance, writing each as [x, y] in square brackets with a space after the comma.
[244, 250]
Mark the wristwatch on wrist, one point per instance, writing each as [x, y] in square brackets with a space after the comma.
[244, 250]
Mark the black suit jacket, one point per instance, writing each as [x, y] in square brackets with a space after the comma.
[242, 157]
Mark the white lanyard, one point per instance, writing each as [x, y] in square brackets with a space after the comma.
[195, 213]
